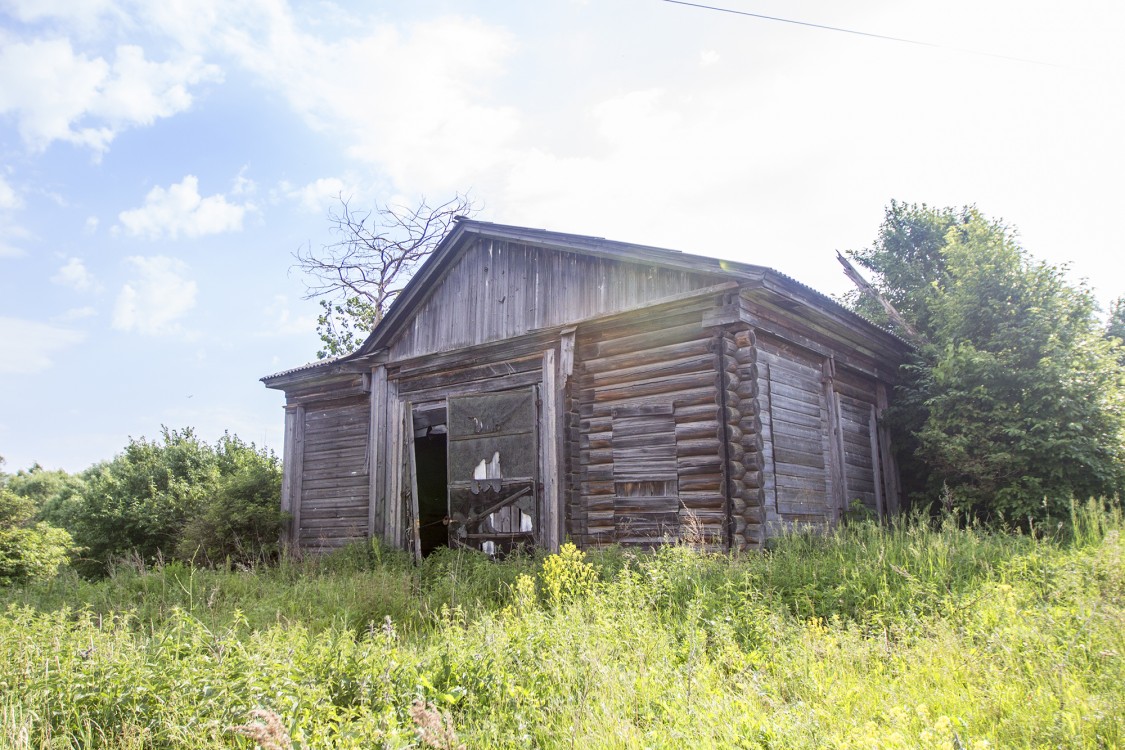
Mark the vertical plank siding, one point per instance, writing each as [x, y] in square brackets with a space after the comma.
[334, 474]
[818, 435]
[500, 290]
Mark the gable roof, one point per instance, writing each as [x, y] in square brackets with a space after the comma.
[466, 231]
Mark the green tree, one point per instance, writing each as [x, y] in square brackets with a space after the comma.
[241, 522]
[179, 496]
[1016, 401]
[1115, 326]
[29, 550]
[377, 251]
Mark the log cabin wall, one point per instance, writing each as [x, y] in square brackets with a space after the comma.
[327, 468]
[745, 440]
[645, 431]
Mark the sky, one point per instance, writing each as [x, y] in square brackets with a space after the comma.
[161, 162]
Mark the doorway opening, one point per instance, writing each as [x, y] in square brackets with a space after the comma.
[430, 456]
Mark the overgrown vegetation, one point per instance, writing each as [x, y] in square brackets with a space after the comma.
[1016, 400]
[913, 636]
[173, 498]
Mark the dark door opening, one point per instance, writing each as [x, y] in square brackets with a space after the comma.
[430, 451]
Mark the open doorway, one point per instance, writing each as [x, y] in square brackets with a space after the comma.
[430, 456]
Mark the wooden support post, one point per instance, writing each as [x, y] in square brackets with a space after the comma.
[835, 455]
[877, 466]
[290, 466]
[392, 473]
[550, 469]
[377, 452]
[415, 528]
[294, 470]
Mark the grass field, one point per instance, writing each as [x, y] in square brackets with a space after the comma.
[917, 636]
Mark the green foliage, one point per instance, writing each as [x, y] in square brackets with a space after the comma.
[1017, 401]
[179, 496]
[918, 637]
[239, 520]
[28, 550]
[342, 326]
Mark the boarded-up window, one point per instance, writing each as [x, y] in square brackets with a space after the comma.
[799, 423]
[644, 451]
[645, 480]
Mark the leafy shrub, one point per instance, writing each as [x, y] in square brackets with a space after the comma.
[240, 519]
[1016, 400]
[28, 550]
[180, 497]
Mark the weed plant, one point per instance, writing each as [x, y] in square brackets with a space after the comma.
[914, 635]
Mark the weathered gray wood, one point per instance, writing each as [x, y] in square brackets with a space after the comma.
[297, 483]
[289, 468]
[392, 468]
[508, 382]
[888, 465]
[505, 289]
[412, 464]
[549, 524]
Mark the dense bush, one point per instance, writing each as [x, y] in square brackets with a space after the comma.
[176, 497]
[28, 550]
[1016, 399]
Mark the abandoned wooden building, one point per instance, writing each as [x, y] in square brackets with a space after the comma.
[530, 387]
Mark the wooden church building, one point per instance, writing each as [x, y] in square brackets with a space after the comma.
[534, 387]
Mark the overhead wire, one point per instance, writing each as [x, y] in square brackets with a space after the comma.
[827, 27]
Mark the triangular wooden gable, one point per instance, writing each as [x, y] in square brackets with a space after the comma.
[497, 288]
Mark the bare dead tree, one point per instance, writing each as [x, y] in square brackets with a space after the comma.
[357, 277]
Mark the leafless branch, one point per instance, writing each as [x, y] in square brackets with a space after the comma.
[377, 250]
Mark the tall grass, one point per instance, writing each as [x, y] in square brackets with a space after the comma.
[914, 635]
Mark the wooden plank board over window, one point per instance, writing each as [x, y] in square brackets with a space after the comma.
[799, 428]
[646, 502]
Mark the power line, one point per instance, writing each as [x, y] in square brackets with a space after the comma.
[853, 31]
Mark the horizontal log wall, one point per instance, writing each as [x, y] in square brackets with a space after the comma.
[499, 290]
[659, 359]
[334, 478]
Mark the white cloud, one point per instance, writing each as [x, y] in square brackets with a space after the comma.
[29, 345]
[91, 225]
[76, 276]
[707, 58]
[57, 94]
[76, 313]
[283, 322]
[319, 194]
[9, 198]
[153, 302]
[182, 210]
[420, 107]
